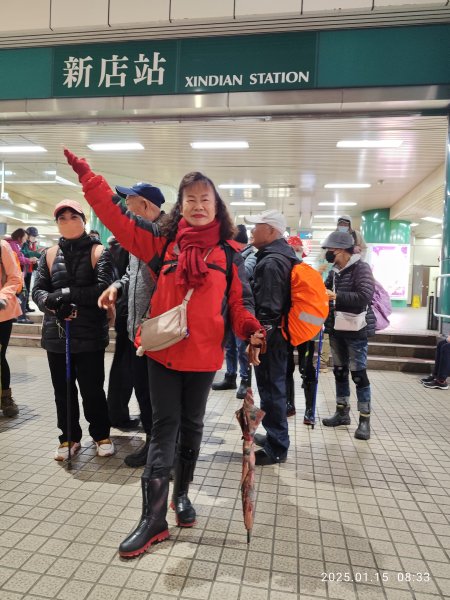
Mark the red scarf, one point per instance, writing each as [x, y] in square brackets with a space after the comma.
[192, 242]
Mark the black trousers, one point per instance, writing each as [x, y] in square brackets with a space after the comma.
[307, 371]
[120, 385]
[88, 370]
[179, 403]
[128, 371]
[5, 334]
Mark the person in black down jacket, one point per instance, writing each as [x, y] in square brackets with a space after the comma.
[350, 286]
[76, 272]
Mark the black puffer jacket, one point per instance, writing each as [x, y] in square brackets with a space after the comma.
[271, 281]
[72, 269]
[354, 286]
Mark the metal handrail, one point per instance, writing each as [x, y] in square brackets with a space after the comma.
[434, 312]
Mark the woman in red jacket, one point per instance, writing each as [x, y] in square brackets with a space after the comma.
[190, 247]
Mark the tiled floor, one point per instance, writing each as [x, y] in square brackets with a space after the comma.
[342, 519]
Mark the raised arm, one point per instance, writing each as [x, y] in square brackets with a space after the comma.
[135, 234]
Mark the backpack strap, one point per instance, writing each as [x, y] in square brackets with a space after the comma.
[50, 255]
[96, 252]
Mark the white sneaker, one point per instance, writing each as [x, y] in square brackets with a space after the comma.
[62, 451]
[105, 447]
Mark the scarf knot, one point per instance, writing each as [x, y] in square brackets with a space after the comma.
[192, 242]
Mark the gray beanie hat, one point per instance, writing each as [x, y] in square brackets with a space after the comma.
[339, 239]
[346, 218]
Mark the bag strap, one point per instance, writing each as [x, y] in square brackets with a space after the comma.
[50, 255]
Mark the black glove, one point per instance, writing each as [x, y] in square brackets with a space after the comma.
[54, 300]
[65, 311]
[3, 304]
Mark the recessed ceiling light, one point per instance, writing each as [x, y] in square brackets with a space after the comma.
[218, 145]
[247, 203]
[349, 186]
[337, 203]
[413, 224]
[437, 235]
[239, 186]
[432, 220]
[49, 172]
[369, 144]
[323, 226]
[6, 212]
[116, 146]
[21, 149]
[324, 216]
[33, 203]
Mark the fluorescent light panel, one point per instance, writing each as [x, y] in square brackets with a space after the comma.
[432, 220]
[63, 181]
[27, 207]
[239, 186]
[369, 144]
[348, 186]
[247, 203]
[324, 216]
[437, 235]
[116, 146]
[21, 149]
[337, 203]
[218, 145]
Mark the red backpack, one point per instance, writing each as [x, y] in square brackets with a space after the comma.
[309, 305]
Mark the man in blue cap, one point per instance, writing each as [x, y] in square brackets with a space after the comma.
[144, 200]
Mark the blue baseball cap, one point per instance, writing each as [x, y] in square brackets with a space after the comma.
[148, 191]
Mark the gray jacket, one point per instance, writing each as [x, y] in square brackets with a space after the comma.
[139, 285]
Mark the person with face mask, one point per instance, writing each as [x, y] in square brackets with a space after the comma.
[350, 287]
[78, 272]
[30, 250]
[344, 225]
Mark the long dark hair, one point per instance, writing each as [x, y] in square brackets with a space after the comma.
[18, 235]
[169, 223]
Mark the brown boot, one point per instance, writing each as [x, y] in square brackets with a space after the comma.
[9, 407]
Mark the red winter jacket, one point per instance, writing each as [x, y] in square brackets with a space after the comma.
[203, 349]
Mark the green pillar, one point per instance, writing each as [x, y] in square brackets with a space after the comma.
[98, 226]
[377, 228]
[445, 253]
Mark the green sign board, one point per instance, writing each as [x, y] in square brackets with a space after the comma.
[186, 66]
[390, 56]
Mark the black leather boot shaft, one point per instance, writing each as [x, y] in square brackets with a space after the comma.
[138, 458]
[184, 472]
[242, 389]
[363, 430]
[340, 417]
[152, 527]
[227, 383]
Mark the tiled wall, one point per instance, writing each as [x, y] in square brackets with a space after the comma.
[58, 15]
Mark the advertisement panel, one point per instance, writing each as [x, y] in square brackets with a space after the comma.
[390, 266]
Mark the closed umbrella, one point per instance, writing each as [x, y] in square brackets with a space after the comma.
[249, 417]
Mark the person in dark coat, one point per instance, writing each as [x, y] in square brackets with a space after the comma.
[235, 348]
[271, 284]
[76, 275]
[350, 286]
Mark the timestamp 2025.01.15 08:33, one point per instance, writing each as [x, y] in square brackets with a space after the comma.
[374, 577]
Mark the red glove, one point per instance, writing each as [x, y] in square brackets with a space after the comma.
[79, 165]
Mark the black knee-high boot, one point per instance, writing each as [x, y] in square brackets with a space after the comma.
[153, 526]
[184, 472]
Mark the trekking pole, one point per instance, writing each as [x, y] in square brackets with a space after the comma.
[319, 351]
[68, 394]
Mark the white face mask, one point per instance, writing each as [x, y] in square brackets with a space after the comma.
[343, 228]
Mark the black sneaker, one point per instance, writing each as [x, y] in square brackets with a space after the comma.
[436, 385]
[428, 379]
[260, 439]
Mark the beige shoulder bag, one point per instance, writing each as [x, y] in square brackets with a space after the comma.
[166, 329]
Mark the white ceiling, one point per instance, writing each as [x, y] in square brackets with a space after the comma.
[292, 160]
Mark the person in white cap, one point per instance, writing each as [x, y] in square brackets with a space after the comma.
[271, 289]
